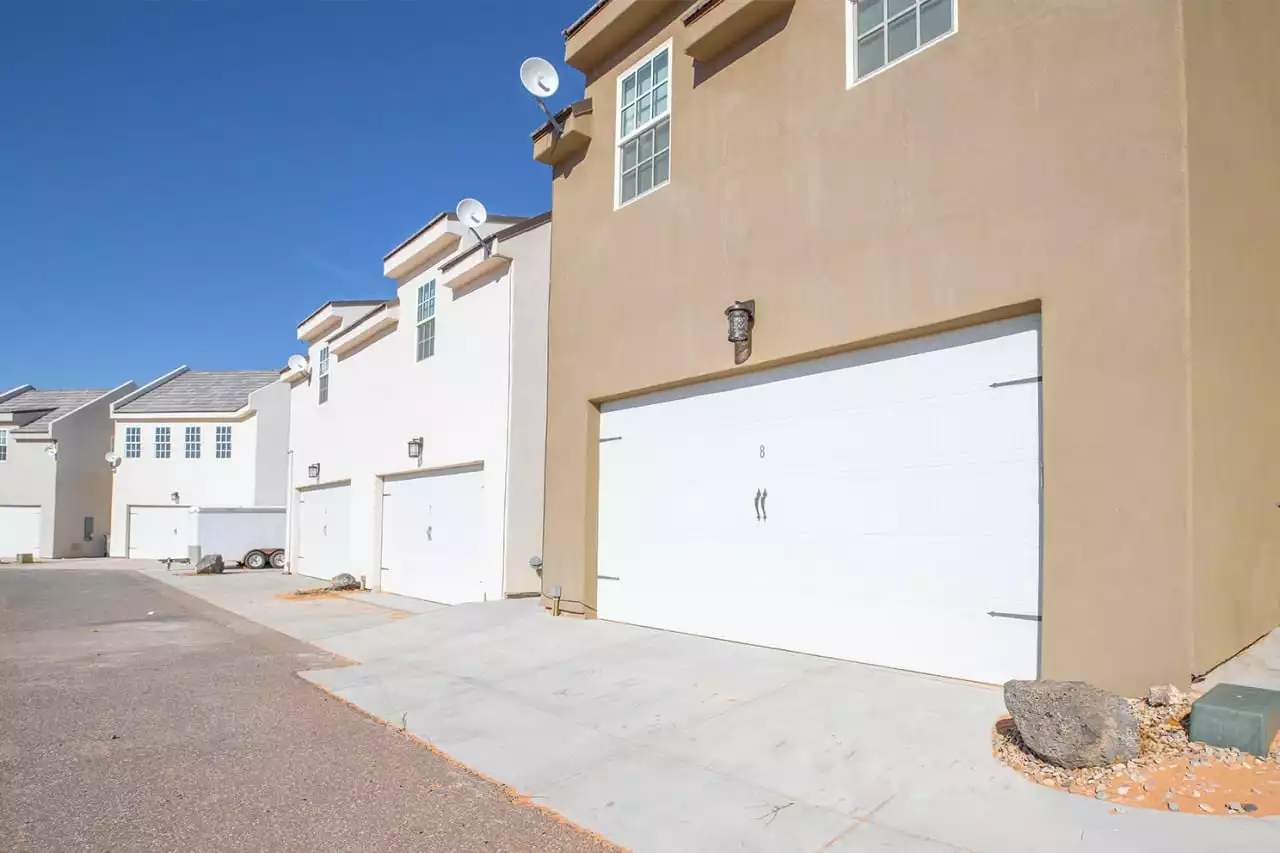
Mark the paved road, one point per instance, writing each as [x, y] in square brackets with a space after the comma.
[135, 717]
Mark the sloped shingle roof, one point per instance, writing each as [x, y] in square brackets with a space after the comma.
[52, 405]
[202, 391]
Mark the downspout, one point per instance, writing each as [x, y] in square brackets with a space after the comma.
[288, 520]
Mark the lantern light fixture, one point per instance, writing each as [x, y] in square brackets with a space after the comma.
[742, 318]
[415, 448]
[313, 470]
[174, 496]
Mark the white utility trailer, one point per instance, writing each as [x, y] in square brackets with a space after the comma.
[251, 536]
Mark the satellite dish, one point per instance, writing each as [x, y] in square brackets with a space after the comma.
[539, 77]
[298, 363]
[541, 80]
[472, 213]
[113, 459]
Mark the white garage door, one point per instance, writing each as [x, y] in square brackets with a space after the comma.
[880, 506]
[19, 531]
[324, 518]
[159, 532]
[431, 537]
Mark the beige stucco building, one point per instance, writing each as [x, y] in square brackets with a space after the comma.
[1104, 176]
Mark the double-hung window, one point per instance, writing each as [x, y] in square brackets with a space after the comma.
[644, 126]
[427, 320]
[324, 374]
[4, 445]
[881, 32]
[222, 442]
[163, 444]
[191, 450]
[133, 442]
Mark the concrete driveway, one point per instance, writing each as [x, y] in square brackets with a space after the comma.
[668, 742]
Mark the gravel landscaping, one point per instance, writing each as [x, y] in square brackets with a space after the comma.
[1170, 773]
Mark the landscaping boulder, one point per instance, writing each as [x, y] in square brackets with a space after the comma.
[344, 581]
[1072, 724]
[1164, 695]
[210, 564]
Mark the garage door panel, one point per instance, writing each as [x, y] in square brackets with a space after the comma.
[903, 506]
[159, 532]
[324, 531]
[19, 531]
[432, 538]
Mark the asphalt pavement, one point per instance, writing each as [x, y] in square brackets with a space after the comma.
[136, 717]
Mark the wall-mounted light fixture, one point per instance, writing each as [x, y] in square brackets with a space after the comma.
[313, 470]
[415, 448]
[174, 497]
[742, 317]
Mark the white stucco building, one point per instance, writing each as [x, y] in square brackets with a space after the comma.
[192, 440]
[418, 428]
[55, 484]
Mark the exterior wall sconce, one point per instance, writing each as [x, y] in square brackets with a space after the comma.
[742, 317]
[313, 470]
[174, 497]
[415, 448]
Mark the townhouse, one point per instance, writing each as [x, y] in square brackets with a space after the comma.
[418, 420]
[911, 332]
[55, 482]
[200, 457]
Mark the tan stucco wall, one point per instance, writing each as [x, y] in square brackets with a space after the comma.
[1233, 104]
[1036, 155]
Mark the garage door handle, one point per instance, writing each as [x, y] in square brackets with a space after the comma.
[1027, 617]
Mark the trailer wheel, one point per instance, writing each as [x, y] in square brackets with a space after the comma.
[255, 560]
[277, 560]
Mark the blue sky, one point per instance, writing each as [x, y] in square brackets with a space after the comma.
[182, 181]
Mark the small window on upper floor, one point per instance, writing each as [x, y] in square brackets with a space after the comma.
[882, 32]
[4, 445]
[191, 448]
[643, 154]
[133, 442]
[163, 444]
[427, 320]
[324, 374]
[222, 442]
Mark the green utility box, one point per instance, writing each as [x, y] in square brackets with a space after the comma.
[1234, 716]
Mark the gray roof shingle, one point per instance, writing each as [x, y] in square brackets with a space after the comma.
[201, 391]
[51, 404]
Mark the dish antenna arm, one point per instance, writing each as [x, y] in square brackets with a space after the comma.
[557, 129]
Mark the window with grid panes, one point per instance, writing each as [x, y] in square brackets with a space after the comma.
[133, 442]
[427, 320]
[163, 446]
[324, 374]
[885, 31]
[4, 445]
[192, 448]
[644, 126]
[222, 442]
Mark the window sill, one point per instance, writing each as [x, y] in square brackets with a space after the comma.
[644, 194]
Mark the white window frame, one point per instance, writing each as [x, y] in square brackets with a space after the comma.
[851, 41]
[324, 375]
[4, 445]
[222, 441]
[191, 441]
[167, 444]
[424, 318]
[640, 129]
[133, 442]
